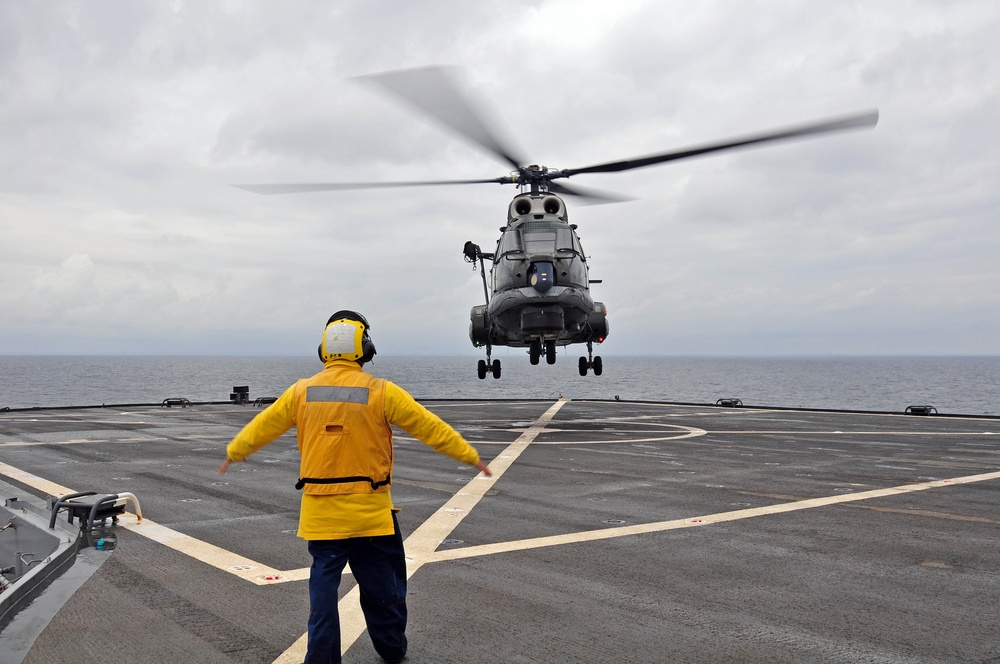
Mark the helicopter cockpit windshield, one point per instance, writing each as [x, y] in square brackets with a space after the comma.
[527, 243]
[540, 243]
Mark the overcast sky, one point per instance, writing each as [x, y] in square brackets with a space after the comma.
[124, 125]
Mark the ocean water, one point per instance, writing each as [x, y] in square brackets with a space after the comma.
[954, 385]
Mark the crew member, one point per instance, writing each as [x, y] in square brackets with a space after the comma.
[343, 419]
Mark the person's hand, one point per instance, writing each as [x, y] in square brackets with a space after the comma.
[224, 466]
[484, 468]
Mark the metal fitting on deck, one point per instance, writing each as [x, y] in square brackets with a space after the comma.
[920, 410]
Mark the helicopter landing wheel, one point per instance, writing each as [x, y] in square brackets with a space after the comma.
[496, 368]
[534, 351]
[482, 369]
[591, 362]
[550, 352]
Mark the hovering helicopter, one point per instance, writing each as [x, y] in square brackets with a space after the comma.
[538, 293]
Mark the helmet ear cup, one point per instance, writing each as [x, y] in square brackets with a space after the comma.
[367, 348]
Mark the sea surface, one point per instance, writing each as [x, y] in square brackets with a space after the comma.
[953, 385]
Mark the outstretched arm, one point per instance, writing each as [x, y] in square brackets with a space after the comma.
[403, 411]
[262, 430]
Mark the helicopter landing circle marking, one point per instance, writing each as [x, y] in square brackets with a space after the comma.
[670, 432]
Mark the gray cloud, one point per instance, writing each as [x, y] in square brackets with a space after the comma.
[124, 125]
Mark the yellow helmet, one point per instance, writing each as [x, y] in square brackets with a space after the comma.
[346, 338]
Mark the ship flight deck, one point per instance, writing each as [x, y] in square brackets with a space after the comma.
[611, 531]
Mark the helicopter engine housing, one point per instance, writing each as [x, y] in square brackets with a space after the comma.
[479, 328]
[597, 321]
[525, 205]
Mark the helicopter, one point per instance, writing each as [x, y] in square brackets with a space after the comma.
[538, 292]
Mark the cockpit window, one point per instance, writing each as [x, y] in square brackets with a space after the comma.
[567, 243]
[540, 242]
[510, 242]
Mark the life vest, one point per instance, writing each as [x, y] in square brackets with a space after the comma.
[344, 439]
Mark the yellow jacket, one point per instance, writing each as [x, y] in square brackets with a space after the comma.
[344, 438]
[364, 511]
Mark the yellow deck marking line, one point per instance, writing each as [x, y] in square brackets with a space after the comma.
[930, 514]
[429, 535]
[856, 433]
[104, 441]
[217, 557]
[80, 441]
[24, 477]
[685, 432]
[420, 545]
[705, 520]
[212, 555]
[718, 411]
[422, 542]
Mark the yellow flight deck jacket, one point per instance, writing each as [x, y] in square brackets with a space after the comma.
[343, 419]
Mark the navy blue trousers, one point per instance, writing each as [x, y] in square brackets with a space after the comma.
[379, 567]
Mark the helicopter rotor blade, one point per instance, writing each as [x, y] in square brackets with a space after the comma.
[588, 196]
[436, 92]
[270, 189]
[868, 119]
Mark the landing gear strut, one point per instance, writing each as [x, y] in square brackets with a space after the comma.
[486, 366]
[472, 254]
[591, 362]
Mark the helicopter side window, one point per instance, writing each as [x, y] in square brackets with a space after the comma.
[510, 243]
[570, 264]
[568, 244]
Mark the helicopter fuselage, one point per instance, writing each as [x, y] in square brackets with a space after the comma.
[539, 285]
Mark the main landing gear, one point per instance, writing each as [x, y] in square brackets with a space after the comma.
[591, 362]
[486, 366]
[535, 351]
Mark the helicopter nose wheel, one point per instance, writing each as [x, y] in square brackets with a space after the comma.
[550, 351]
[591, 362]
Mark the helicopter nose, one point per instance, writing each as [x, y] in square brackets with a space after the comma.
[541, 276]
